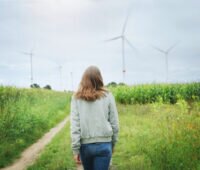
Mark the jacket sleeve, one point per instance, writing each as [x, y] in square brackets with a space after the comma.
[113, 118]
[75, 127]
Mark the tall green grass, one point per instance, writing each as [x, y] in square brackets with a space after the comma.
[159, 137]
[25, 115]
[149, 93]
[152, 137]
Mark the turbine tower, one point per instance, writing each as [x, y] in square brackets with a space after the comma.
[123, 41]
[166, 53]
[31, 63]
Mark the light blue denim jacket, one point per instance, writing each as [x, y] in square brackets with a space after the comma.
[93, 121]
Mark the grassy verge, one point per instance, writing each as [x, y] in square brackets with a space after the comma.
[25, 115]
[152, 137]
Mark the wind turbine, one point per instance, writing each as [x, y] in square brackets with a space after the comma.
[123, 40]
[71, 73]
[60, 72]
[31, 62]
[58, 68]
[166, 53]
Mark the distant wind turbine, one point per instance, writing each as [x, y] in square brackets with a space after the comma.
[71, 73]
[60, 72]
[166, 53]
[58, 68]
[31, 62]
[124, 40]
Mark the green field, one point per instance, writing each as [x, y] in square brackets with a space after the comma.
[152, 137]
[159, 127]
[25, 115]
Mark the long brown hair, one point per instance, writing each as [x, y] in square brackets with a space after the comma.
[91, 86]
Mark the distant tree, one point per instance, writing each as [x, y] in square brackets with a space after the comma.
[35, 85]
[113, 84]
[122, 84]
[47, 87]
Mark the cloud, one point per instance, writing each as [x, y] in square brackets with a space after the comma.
[71, 33]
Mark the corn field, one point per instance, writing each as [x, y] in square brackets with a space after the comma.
[150, 93]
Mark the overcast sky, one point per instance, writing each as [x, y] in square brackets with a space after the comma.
[72, 34]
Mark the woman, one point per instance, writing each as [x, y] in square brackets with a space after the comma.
[94, 122]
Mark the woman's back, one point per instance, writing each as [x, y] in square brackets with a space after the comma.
[94, 122]
[95, 117]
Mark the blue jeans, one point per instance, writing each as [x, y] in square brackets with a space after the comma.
[96, 156]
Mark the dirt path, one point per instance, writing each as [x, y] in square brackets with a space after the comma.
[32, 152]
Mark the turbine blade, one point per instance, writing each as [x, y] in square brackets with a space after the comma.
[32, 50]
[158, 49]
[172, 47]
[114, 38]
[33, 47]
[125, 23]
[130, 44]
